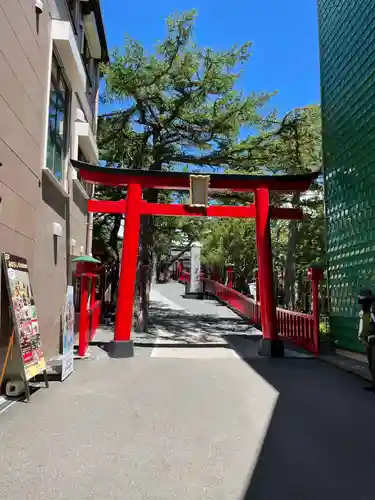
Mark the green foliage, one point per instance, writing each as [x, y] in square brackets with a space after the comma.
[231, 241]
[324, 328]
[294, 145]
[179, 105]
[291, 146]
[178, 108]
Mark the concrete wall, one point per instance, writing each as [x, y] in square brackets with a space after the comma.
[78, 219]
[32, 199]
[24, 75]
[50, 263]
[24, 44]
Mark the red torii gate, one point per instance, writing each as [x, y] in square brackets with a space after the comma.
[134, 206]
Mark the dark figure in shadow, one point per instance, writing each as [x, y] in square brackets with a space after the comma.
[366, 333]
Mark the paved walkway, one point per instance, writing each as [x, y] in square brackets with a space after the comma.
[192, 426]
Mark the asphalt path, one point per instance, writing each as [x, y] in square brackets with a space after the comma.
[195, 415]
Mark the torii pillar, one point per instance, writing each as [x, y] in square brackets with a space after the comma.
[271, 345]
[122, 345]
[134, 207]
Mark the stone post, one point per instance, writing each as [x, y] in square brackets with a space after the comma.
[195, 285]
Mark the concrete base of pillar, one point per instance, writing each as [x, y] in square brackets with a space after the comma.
[194, 295]
[271, 348]
[120, 349]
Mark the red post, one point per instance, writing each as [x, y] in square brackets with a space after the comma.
[91, 319]
[315, 274]
[83, 321]
[256, 276]
[315, 311]
[230, 276]
[122, 345]
[93, 292]
[179, 270]
[271, 345]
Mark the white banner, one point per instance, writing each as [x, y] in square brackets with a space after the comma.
[68, 335]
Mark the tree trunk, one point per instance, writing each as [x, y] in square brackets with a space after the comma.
[275, 255]
[113, 239]
[114, 276]
[145, 254]
[113, 242]
[290, 262]
[177, 257]
[144, 269]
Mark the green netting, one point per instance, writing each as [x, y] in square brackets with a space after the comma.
[347, 45]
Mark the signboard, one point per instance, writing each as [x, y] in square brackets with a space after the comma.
[68, 335]
[199, 186]
[24, 314]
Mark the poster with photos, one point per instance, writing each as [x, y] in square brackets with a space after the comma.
[24, 314]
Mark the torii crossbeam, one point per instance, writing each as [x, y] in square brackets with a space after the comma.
[134, 206]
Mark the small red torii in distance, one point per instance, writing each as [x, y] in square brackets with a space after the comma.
[134, 206]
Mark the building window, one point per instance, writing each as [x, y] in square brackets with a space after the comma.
[86, 55]
[81, 156]
[57, 122]
[74, 8]
[92, 80]
[76, 15]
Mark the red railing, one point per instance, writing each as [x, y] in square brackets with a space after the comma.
[298, 328]
[243, 305]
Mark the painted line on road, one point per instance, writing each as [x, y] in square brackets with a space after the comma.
[6, 404]
[196, 353]
[156, 296]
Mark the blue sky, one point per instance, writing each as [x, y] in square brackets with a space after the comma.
[284, 35]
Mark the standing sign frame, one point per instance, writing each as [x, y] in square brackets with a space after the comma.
[25, 320]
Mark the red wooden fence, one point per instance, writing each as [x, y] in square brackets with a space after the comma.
[244, 305]
[296, 327]
[299, 328]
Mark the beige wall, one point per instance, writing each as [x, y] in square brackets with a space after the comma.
[32, 199]
[78, 219]
[50, 265]
[78, 203]
[24, 76]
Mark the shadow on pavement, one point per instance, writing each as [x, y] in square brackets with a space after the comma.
[182, 345]
[320, 442]
[192, 328]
